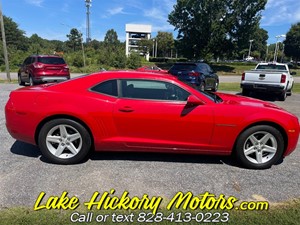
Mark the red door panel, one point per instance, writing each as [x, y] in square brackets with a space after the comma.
[163, 124]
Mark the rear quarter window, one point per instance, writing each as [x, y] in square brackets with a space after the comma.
[107, 87]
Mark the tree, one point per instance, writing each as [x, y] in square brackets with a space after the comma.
[15, 38]
[114, 54]
[165, 43]
[75, 38]
[145, 45]
[111, 38]
[214, 27]
[292, 42]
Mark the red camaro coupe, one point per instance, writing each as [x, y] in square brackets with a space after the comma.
[134, 111]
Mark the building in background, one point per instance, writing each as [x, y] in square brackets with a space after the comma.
[135, 33]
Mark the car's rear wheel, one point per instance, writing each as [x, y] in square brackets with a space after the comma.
[64, 141]
[215, 88]
[259, 147]
[282, 96]
[22, 83]
[31, 82]
[201, 86]
[245, 92]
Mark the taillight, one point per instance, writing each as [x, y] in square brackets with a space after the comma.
[38, 65]
[283, 78]
[243, 76]
[66, 67]
[194, 74]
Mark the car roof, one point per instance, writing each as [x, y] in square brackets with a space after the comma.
[85, 81]
[54, 56]
[188, 63]
[119, 74]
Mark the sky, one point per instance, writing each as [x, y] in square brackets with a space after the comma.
[53, 19]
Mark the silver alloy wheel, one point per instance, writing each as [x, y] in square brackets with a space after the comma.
[64, 141]
[31, 81]
[260, 147]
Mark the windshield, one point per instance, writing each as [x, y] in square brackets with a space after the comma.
[184, 67]
[51, 60]
[271, 67]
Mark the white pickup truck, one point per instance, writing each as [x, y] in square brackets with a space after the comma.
[268, 77]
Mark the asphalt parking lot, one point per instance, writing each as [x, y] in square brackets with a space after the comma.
[24, 173]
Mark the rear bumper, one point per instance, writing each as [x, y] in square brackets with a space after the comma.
[45, 79]
[276, 88]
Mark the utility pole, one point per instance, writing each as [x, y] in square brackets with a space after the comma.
[88, 4]
[4, 44]
[249, 53]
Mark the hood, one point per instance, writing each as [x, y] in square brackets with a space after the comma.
[241, 100]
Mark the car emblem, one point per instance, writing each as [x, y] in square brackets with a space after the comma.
[262, 76]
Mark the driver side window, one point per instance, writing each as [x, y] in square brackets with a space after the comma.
[151, 89]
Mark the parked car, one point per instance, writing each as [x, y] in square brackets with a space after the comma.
[268, 77]
[153, 69]
[134, 111]
[198, 74]
[38, 69]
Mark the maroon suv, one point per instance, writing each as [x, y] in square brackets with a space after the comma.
[38, 69]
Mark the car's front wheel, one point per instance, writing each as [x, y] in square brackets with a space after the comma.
[21, 83]
[259, 147]
[64, 141]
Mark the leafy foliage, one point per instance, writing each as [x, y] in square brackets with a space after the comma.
[292, 42]
[216, 27]
[165, 41]
[75, 38]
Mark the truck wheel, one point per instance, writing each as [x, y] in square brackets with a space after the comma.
[245, 92]
[290, 92]
[282, 96]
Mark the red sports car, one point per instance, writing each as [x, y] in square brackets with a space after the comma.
[134, 111]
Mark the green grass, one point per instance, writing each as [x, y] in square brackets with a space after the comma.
[287, 213]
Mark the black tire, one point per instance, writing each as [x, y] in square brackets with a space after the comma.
[290, 92]
[215, 88]
[245, 92]
[31, 82]
[201, 86]
[21, 83]
[259, 155]
[282, 96]
[67, 138]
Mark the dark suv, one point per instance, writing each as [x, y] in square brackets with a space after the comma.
[38, 69]
[196, 74]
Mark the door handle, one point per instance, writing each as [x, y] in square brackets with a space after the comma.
[126, 109]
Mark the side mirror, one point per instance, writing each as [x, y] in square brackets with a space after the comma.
[293, 73]
[194, 101]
